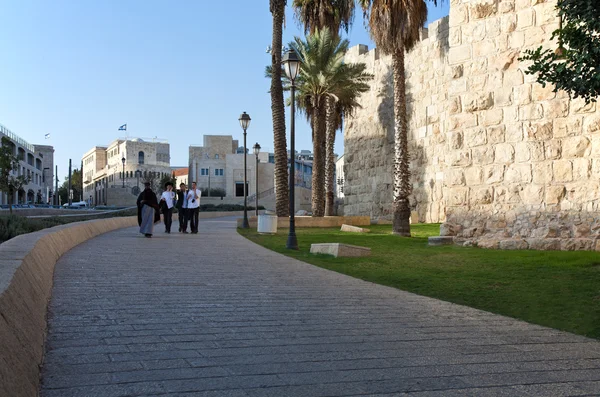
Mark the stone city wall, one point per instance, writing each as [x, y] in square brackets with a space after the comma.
[503, 161]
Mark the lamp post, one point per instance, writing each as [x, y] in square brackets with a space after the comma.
[244, 123]
[256, 149]
[291, 64]
[123, 174]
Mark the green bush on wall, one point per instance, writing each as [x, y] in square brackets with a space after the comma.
[14, 225]
[214, 192]
[226, 207]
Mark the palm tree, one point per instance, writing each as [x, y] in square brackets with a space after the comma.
[325, 76]
[316, 15]
[334, 15]
[395, 27]
[277, 8]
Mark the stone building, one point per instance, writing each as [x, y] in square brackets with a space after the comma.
[501, 160]
[339, 177]
[37, 162]
[218, 164]
[107, 180]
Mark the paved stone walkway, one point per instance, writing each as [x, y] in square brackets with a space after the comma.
[216, 315]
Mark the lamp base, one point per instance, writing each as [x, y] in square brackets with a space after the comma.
[292, 242]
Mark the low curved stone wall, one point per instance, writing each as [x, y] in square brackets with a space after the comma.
[26, 275]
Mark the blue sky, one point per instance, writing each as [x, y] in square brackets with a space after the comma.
[177, 70]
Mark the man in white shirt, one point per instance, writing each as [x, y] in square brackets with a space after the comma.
[193, 196]
[166, 203]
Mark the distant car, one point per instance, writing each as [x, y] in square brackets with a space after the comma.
[79, 204]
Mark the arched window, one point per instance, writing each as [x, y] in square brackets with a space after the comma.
[216, 156]
[141, 158]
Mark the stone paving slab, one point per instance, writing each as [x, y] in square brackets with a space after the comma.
[214, 314]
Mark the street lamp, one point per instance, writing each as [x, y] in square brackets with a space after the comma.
[244, 123]
[123, 174]
[291, 64]
[256, 149]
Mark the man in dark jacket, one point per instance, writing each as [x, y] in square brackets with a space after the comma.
[182, 207]
[148, 211]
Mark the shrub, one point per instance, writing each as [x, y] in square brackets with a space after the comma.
[14, 225]
[226, 207]
[214, 192]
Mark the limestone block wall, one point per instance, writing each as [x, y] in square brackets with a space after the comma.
[369, 141]
[26, 270]
[502, 160]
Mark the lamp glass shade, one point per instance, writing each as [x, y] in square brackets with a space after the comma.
[291, 64]
[244, 121]
[256, 148]
[123, 159]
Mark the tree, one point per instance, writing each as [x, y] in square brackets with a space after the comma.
[9, 165]
[325, 76]
[573, 67]
[316, 15]
[76, 186]
[334, 15]
[153, 178]
[277, 8]
[395, 26]
[163, 181]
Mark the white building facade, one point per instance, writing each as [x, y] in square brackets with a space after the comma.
[37, 163]
[218, 164]
[112, 174]
[339, 177]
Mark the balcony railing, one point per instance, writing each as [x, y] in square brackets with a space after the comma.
[15, 138]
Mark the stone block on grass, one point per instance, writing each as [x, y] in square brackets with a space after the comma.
[440, 240]
[338, 249]
[354, 229]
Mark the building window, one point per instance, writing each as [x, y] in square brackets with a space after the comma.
[216, 156]
[218, 171]
[204, 171]
[141, 158]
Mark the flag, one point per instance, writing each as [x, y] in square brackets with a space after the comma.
[123, 127]
[47, 136]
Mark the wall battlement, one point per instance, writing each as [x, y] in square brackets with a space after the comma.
[503, 161]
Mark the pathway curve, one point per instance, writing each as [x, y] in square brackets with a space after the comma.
[215, 315]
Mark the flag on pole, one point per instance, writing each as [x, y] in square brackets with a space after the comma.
[47, 136]
[123, 127]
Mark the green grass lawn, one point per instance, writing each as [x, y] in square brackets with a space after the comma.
[552, 288]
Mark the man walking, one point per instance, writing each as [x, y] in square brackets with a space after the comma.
[182, 207]
[194, 207]
[148, 211]
[166, 201]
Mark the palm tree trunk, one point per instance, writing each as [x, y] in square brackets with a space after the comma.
[402, 186]
[329, 160]
[318, 176]
[278, 111]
